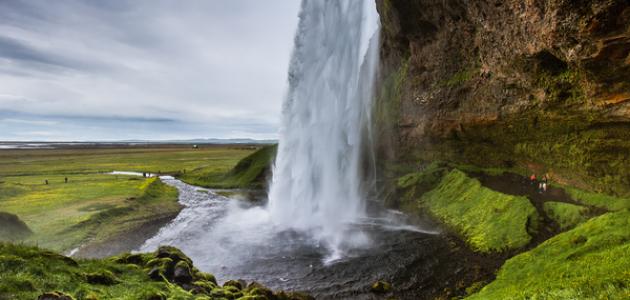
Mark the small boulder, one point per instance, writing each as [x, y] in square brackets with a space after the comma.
[239, 284]
[173, 253]
[127, 258]
[156, 273]
[282, 295]
[54, 296]
[181, 273]
[103, 278]
[206, 277]
[257, 289]
[381, 287]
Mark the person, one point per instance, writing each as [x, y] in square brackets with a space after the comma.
[46, 182]
[66, 179]
[532, 179]
[545, 182]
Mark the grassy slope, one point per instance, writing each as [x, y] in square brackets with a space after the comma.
[588, 262]
[488, 220]
[247, 173]
[62, 215]
[565, 214]
[12, 228]
[26, 272]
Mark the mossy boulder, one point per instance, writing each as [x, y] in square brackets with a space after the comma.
[182, 273]
[238, 284]
[54, 296]
[166, 273]
[104, 277]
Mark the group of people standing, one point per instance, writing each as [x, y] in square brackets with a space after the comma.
[542, 184]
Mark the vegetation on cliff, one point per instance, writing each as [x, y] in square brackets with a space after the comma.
[588, 262]
[28, 272]
[250, 172]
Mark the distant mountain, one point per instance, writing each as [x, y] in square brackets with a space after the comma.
[204, 141]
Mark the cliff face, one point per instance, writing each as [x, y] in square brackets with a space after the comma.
[538, 85]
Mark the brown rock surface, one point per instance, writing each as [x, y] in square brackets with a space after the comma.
[502, 83]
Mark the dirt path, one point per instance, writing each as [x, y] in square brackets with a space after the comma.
[514, 184]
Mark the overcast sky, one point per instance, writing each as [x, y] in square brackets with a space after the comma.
[143, 69]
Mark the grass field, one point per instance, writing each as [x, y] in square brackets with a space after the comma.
[94, 160]
[92, 205]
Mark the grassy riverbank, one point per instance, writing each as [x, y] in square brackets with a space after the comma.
[93, 207]
[250, 172]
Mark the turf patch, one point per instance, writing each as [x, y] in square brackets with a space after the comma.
[489, 221]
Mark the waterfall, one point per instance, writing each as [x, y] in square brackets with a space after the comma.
[317, 184]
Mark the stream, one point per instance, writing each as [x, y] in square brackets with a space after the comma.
[235, 239]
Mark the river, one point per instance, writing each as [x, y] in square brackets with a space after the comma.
[235, 239]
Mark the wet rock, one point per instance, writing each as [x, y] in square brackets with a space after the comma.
[200, 287]
[239, 284]
[381, 287]
[282, 295]
[206, 277]
[54, 296]
[257, 289]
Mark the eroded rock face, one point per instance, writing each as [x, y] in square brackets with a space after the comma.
[540, 84]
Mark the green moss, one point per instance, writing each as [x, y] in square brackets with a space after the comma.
[488, 220]
[430, 176]
[460, 77]
[598, 199]
[26, 272]
[565, 214]
[388, 103]
[250, 172]
[41, 272]
[588, 262]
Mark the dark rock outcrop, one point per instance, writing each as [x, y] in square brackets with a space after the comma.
[539, 85]
[12, 228]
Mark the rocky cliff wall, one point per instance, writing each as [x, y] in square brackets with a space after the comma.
[535, 85]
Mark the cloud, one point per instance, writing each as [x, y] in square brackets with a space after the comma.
[215, 68]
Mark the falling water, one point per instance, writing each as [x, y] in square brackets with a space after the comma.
[316, 186]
